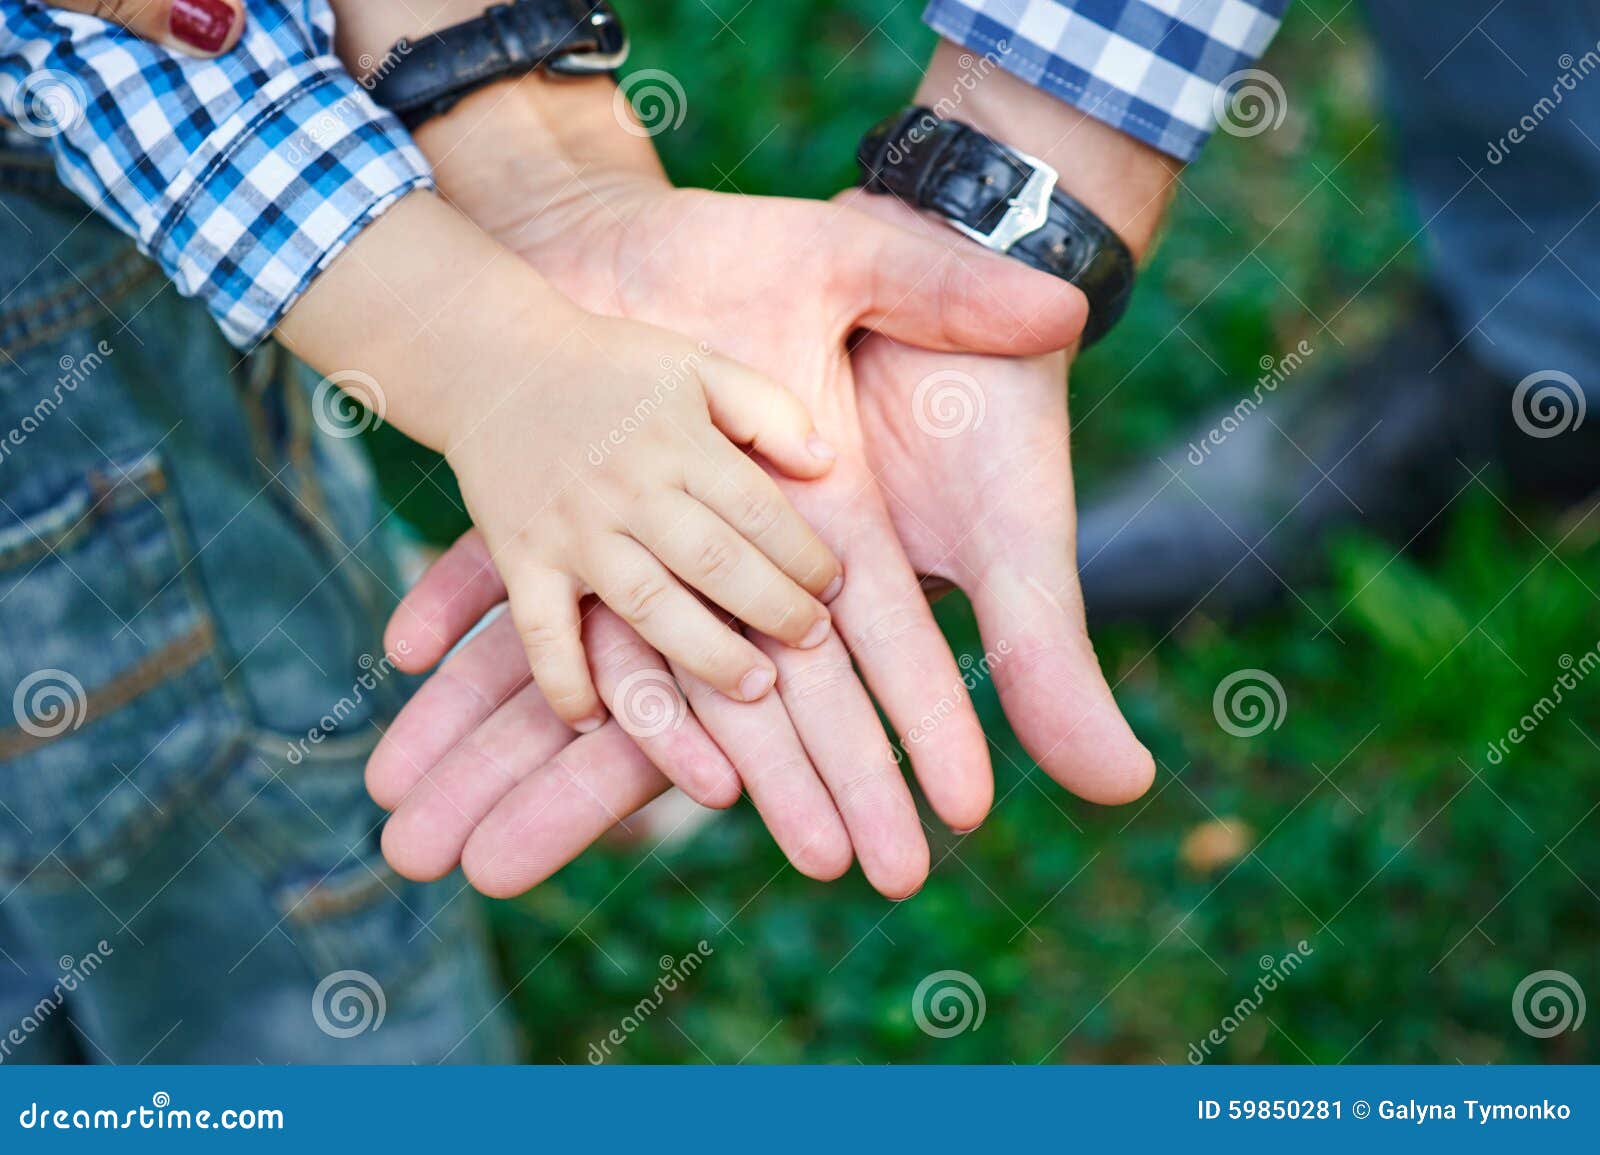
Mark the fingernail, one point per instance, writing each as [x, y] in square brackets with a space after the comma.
[963, 833]
[202, 24]
[756, 683]
[833, 589]
[816, 635]
[588, 725]
[820, 448]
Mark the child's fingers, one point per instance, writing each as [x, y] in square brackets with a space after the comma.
[741, 493]
[755, 411]
[544, 605]
[706, 552]
[641, 590]
[195, 27]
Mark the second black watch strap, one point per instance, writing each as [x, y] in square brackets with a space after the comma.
[432, 73]
[1004, 200]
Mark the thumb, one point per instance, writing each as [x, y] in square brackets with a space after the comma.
[757, 412]
[924, 284]
[1050, 683]
[193, 27]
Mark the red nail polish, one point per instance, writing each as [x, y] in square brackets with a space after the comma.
[202, 24]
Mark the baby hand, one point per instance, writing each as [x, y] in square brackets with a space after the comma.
[614, 467]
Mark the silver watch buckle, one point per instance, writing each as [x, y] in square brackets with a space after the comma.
[609, 58]
[1025, 213]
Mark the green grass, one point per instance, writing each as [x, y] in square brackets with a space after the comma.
[1427, 880]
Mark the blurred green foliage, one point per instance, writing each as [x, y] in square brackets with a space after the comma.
[1427, 880]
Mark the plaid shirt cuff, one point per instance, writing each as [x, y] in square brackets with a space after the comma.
[1151, 68]
[277, 191]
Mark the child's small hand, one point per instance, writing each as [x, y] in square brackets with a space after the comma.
[612, 465]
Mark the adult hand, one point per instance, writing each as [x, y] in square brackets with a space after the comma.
[637, 248]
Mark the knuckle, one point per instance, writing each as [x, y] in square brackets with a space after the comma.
[820, 679]
[642, 599]
[540, 637]
[891, 627]
[716, 560]
[758, 513]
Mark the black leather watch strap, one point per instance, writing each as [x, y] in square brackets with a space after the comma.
[567, 36]
[1004, 200]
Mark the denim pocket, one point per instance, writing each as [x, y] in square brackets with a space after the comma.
[107, 663]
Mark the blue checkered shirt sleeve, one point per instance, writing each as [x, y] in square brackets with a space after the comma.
[242, 176]
[1152, 68]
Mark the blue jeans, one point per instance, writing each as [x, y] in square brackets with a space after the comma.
[193, 588]
[1497, 111]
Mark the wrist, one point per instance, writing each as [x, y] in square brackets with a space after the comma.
[421, 315]
[1123, 181]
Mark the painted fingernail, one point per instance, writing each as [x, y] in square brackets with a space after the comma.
[817, 634]
[588, 725]
[202, 24]
[833, 589]
[756, 683]
[820, 448]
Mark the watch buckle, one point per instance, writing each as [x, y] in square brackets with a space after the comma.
[609, 57]
[1025, 213]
